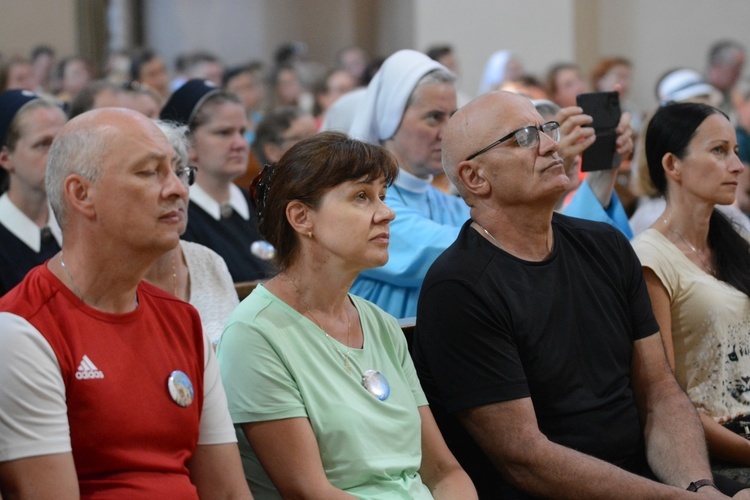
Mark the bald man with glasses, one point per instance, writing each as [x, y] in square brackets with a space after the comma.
[535, 341]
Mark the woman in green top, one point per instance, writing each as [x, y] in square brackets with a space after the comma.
[320, 383]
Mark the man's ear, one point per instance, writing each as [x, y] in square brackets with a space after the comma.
[77, 191]
[299, 216]
[473, 178]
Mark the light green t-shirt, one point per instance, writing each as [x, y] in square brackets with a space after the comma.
[275, 363]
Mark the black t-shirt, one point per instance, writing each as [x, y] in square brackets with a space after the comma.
[231, 238]
[492, 328]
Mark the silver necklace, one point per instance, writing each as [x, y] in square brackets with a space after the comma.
[70, 277]
[708, 268]
[331, 340]
[487, 232]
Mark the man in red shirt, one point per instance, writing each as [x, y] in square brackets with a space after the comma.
[108, 386]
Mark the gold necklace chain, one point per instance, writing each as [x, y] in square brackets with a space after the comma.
[331, 340]
[708, 268]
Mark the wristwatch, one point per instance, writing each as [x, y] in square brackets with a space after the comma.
[700, 483]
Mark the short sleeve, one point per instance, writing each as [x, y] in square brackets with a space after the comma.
[216, 424]
[656, 259]
[260, 390]
[33, 410]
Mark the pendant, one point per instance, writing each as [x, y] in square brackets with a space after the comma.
[376, 384]
[180, 388]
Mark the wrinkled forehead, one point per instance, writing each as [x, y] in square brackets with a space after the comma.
[502, 115]
[486, 119]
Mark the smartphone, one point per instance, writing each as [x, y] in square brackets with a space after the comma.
[604, 108]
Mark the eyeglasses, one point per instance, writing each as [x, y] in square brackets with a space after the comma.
[186, 175]
[526, 137]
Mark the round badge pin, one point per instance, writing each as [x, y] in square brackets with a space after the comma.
[376, 384]
[180, 388]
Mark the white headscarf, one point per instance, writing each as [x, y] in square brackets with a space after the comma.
[494, 70]
[383, 105]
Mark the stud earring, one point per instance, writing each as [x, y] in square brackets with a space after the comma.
[309, 234]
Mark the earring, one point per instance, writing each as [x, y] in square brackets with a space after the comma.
[309, 234]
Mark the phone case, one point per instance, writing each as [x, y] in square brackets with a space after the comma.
[604, 108]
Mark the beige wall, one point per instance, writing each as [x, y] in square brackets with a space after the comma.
[661, 34]
[540, 32]
[655, 34]
[27, 23]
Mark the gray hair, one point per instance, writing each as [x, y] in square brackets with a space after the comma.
[431, 78]
[177, 135]
[79, 150]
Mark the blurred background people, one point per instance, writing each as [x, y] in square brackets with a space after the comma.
[726, 58]
[43, 65]
[613, 74]
[16, 73]
[73, 74]
[502, 66]
[28, 229]
[220, 215]
[354, 60]
[334, 84]
[246, 82]
[564, 83]
[148, 70]
[280, 129]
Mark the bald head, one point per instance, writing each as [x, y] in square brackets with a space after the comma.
[83, 144]
[479, 123]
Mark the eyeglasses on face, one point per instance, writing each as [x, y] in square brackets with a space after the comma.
[186, 175]
[526, 137]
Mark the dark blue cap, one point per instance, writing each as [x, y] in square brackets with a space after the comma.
[10, 103]
[185, 101]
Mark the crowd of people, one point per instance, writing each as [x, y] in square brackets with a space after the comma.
[575, 334]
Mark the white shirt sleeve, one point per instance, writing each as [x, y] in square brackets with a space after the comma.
[33, 411]
[216, 424]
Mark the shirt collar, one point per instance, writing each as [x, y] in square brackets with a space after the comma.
[24, 228]
[411, 182]
[236, 200]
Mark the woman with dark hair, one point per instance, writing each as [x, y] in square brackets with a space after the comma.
[220, 214]
[697, 268]
[319, 382]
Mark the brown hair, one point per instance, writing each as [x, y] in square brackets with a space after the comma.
[604, 66]
[305, 173]
[551, 80]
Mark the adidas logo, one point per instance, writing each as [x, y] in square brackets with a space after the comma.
[87, 370]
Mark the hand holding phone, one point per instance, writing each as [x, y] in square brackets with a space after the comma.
[604, 108]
